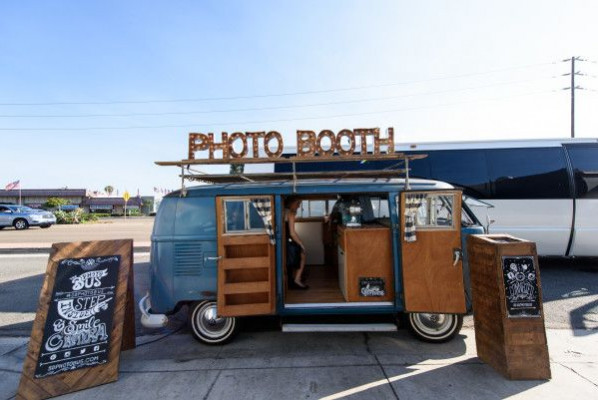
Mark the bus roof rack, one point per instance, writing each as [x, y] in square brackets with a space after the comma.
[286, 176]
[188, 174]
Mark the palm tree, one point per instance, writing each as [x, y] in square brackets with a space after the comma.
[109, 189]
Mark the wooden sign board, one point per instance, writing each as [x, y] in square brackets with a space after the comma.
[243, 146]
[84, 319]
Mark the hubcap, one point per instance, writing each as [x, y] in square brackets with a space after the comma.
[210, 324]
[433, 324]
[20, 224]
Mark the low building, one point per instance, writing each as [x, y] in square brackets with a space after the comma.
[36, 197]
[111, 205]
[150, 204]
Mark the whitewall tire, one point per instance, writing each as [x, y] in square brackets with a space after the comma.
[435, 328]
[209, 328]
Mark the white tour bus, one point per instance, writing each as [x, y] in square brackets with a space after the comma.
[541, 190]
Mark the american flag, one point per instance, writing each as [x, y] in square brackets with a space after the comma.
[12, 185]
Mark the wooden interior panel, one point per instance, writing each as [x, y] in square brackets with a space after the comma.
[246, 271]
[246, 275]
[246, 287]
[246, 262]
[243, 239]
[247, 298]
[431, 283]
[246, 250]
[368, 254]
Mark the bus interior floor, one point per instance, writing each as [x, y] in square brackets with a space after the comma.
[323, 287]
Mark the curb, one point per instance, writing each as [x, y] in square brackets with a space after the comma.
[46, 250]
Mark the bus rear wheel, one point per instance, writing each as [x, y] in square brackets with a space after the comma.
[433, 327]
[208, 327]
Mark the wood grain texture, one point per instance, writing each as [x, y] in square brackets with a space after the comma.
[246, 271]
[431, 283]
[122, 334]
[323, 287]
[368, 254]
[516, 347]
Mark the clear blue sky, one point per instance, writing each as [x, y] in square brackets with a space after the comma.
[434, 70]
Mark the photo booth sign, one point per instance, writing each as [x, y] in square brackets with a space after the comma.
[85, 317]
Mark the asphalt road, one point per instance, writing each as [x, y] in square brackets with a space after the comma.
[570, 293]
[137, 228]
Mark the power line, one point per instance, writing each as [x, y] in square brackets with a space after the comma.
[240, 97]
[272, 121]
[147, 114]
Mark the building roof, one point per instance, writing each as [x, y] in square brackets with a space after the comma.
[44, 193]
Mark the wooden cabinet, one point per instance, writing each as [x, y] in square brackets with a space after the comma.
[365, 263]
[507, 306]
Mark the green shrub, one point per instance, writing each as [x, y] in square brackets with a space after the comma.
[74, 217]
[133, 212]
[68, 217]
[85, 217]
[102, 214]
[55, 202]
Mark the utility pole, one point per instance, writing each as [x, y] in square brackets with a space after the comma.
[572, 88]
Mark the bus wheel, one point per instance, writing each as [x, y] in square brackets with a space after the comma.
[435, 328]
[208, 327]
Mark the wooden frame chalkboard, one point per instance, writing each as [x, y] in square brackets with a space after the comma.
[85, 317]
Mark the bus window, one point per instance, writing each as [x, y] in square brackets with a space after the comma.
[530, 173]
[585, 169]
[241, 215]
[311, 209]
[435, 211]
[235, 215]
[465, 168]
[380, 207]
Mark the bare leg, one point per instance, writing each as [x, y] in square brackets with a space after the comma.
[300, 270]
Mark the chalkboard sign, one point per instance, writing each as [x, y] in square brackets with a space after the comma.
[521, 287]
[371, 287]
[85, 317]
[79, 321]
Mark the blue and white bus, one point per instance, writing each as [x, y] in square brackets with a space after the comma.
[540, 190]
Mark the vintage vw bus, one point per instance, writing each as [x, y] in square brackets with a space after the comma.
[220, 249]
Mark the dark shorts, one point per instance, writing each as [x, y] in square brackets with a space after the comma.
[293, 254]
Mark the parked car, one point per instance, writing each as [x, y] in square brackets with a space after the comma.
[21, 217]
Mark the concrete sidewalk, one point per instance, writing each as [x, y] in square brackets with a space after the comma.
[275, 365]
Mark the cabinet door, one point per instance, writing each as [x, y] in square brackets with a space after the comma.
[246, 283]
[430, 232]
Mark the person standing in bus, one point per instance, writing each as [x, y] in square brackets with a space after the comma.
[295, 248]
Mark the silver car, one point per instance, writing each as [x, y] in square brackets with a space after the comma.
[21, 217]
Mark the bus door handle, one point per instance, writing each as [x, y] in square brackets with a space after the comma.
[457, 255]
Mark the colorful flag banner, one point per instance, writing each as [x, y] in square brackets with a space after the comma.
[12, 185]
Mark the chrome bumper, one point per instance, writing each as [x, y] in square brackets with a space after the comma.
[148, 320]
